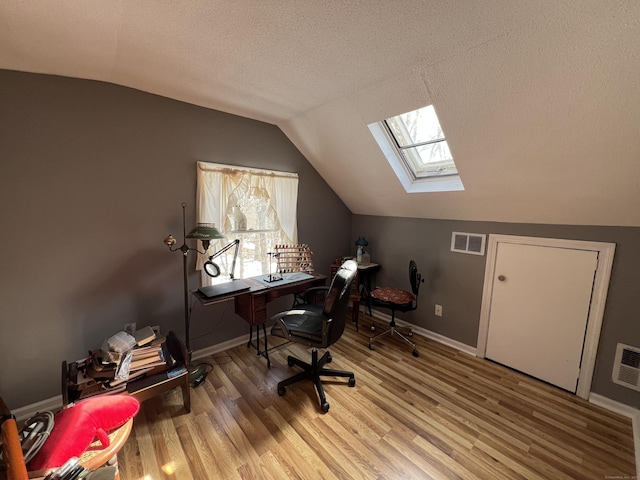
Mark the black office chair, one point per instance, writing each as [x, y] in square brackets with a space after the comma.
[318, 328]
[398, 300]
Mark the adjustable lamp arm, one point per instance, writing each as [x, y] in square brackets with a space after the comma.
[212, 269]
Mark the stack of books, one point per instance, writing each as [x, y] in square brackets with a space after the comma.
[148, 357]
[101, 373]
[149, 360]
[144, 336]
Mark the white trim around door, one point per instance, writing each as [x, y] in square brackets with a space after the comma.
[598, 299]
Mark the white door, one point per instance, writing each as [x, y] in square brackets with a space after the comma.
[539, 310]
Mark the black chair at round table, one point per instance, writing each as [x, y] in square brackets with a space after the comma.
[398, 300]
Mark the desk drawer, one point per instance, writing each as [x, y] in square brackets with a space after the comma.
[259, 309]
[259, 301]
[260, 316]
[252, 308]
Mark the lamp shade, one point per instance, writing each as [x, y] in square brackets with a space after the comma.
[205, 231]
[362, 242]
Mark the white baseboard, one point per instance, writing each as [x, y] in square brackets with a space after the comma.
[220, 347]
[52, 404]
[613, 406]
[427, 333]
[636, 439]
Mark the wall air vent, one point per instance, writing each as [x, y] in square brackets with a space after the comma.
[626, 368]
[472, 243]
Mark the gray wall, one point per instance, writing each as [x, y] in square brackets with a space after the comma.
[92, 180]
[91, 183]
[455, 280]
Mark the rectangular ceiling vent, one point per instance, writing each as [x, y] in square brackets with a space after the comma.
[626, 368]
[472, 243]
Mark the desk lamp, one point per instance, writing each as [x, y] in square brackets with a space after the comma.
[204, 232]
[361, 242]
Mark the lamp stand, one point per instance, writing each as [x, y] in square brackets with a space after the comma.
[185, 249]
[205, 233]
[197, 373]
[186, 303]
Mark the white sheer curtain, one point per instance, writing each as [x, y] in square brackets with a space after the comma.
[221, 187]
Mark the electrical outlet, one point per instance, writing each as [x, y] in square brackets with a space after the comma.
[438, 310]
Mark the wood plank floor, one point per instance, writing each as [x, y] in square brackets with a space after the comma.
[443, 415]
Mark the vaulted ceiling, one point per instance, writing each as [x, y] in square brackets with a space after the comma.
[539, 100]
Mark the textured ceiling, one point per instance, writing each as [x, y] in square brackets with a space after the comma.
[539, 99]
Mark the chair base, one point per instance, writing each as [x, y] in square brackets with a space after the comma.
[395, 332]
[313, 371]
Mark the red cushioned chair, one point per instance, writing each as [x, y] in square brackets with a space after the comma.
[398, 300]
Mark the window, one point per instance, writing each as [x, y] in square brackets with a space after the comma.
[417, 150]
[258, 207]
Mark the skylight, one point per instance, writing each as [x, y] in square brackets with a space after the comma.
[417, 150]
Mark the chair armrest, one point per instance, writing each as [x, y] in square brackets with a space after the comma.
[316, 289]
[286, 331]
[303, 297]
[297, 311]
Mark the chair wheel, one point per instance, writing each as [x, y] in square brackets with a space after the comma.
[352, 382]
[290, 362]
[373, 328]
[329, 358]
[324, 407]
[282, 390]
[415, 353]
[371, 347]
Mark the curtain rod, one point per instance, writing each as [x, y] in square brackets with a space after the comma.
[206, 166]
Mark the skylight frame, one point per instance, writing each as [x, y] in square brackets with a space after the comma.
[412, 157]
[412, 181]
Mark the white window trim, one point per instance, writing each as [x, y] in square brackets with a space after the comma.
[445, 183]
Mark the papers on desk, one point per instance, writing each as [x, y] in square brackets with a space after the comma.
[285, 278]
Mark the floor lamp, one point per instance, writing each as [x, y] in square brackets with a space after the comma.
[204, 232]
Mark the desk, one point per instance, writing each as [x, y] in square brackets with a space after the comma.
[365, 272]
[251, 305]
